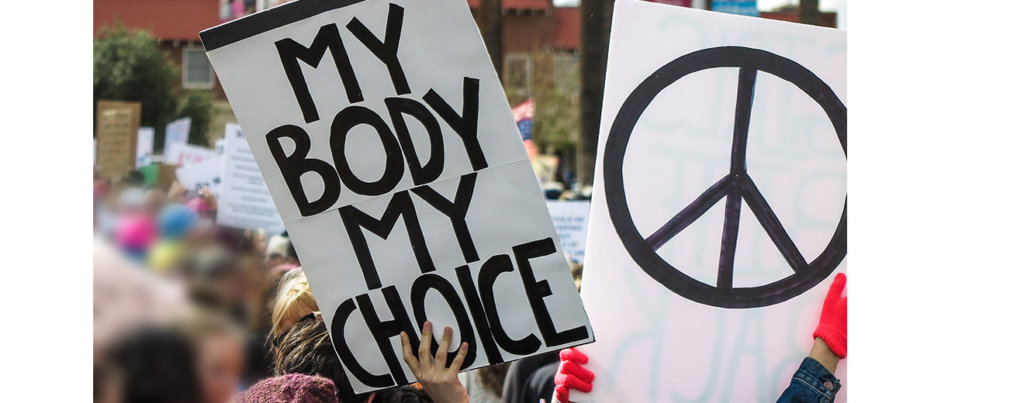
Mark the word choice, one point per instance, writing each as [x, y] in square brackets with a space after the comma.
[479, 305]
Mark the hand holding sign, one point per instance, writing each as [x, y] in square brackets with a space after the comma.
[572, 375]
[438, 376]
[832, 325]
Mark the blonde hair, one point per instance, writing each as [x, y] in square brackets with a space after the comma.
[294, 300]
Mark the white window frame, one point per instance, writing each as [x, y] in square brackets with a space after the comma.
[525, 57]
[185, 83]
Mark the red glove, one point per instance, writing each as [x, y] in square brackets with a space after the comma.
[832, 325]
[571, 374]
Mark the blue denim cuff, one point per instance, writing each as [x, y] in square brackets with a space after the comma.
[818, 378]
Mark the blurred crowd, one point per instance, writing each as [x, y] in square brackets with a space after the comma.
[186, 310]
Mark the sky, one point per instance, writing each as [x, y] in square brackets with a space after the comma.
[825, 5]
[839, 6]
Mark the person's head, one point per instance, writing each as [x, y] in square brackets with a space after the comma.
[151, 365]
[155, 199]
[280, 251]
[200, 207]
[219, 354]
[297, 388]
[216, 280]
[493, 377]
[135, 233]
[176, 221]
[305, 348]
[294, 300]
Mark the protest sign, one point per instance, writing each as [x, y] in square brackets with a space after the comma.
[181, 154]
[117, 128]
[390, 150]
[719, 211]
[144, 147]
[206, 173]
[570, 218]
[218, 146]
[176, 133]
[244, 200]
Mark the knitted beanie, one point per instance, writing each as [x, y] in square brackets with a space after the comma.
[176, 221]
[198, 205]
[135, 232]
[291, 388]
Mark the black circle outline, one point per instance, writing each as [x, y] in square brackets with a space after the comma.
[644, 255]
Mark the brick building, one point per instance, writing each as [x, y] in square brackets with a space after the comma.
[176, 24]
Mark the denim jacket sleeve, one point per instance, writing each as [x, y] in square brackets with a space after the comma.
[811, 383]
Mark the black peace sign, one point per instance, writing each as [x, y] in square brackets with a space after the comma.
[735, 187]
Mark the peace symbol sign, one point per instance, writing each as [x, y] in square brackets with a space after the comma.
[736, 187]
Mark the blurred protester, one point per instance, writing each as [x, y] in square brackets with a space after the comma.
[484, 385]
[124, 296]
[281, 252]
[175, 223]
[262, 289]
[294, 300]
[530, 379]
[216, 281]
[205, 204]
[218, 344]
[305, 348]
[149, 365]
[135, 233]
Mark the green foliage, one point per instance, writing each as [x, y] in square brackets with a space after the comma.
[557, 119]
[197, 105]
[128, 65]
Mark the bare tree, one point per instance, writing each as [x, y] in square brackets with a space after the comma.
[809, 13]
[595, 27]
[490, 29]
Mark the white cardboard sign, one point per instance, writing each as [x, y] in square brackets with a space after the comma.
[176, 133]
[718, 215]
[206, 173]
[244, 201]
[570, 219]
[181, 154]
[390, 150]
[144, 147]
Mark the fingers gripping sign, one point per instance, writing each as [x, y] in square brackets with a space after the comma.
[832, 324]
[572, 375]
[439, 380]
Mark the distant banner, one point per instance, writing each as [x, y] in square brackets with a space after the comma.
[176, 133]
[244, 200]
[206, 173]
[117, 131]
[187, 154]
[570, 218]
[144, 148]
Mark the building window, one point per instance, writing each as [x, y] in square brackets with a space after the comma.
[567, 73]
[517, 71]
[196, 70]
